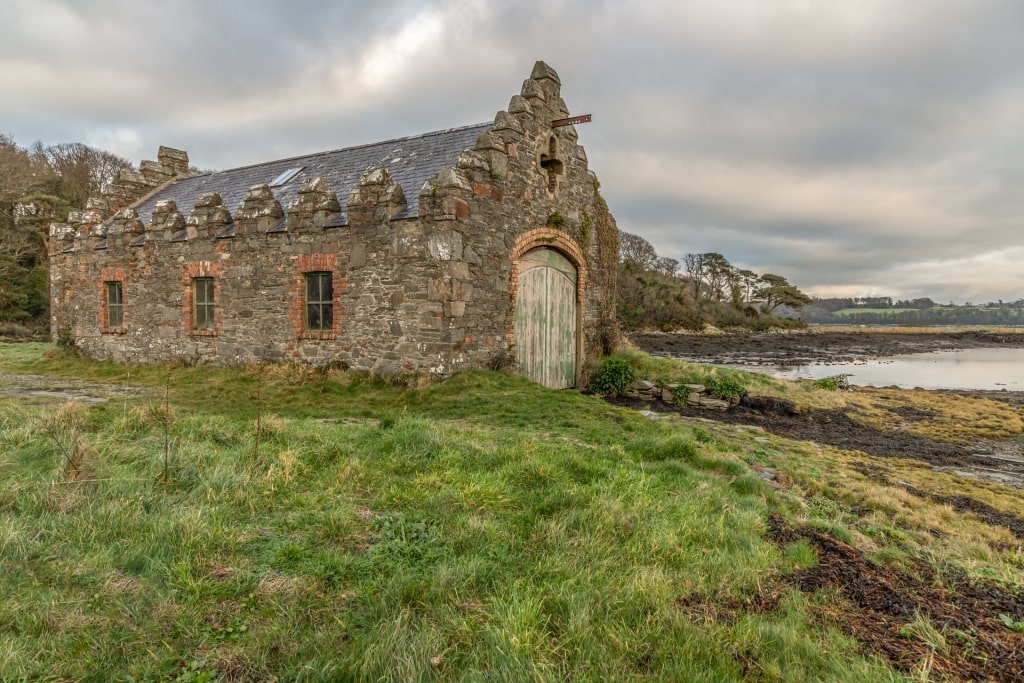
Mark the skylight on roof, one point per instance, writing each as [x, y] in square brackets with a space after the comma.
[285, 177]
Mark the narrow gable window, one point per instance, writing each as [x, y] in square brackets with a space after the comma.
[319, 301]
[202, 303]
[115, 304]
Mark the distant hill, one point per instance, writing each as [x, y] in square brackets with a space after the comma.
[885, 311]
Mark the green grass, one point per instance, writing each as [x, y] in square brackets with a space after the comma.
[478, 529]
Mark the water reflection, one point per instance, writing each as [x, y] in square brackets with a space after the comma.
[985, 368]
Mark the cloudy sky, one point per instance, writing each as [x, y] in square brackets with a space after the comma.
[867, 147]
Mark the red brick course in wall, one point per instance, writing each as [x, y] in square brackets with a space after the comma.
[556, 239]
[313, 263]
[201, 269]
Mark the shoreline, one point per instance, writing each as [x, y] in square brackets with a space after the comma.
[999, 460]
[817, 345]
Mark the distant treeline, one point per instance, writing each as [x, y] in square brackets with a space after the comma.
[660, 293]
[924, 311]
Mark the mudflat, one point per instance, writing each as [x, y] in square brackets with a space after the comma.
[998, 460]
[816, 345]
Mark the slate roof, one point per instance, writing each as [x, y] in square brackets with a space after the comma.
[411, 161]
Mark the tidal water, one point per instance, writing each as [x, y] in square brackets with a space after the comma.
[979, 368]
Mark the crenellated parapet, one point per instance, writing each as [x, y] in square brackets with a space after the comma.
[167, 222]
[98, 204]
[126, 189]
[130, 185]
[124, 228]
[507, 126]
[315, 206]
[493, 148]
[443, 197]
[259, 212]
[90, 232]
[209, 218]
[62, 238]
[377, 198]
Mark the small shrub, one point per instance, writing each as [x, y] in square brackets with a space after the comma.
[826, 383]
[725, 388]
[612, 376]
[65, 338]
[556, 220]
[702, 435]
[681, 393]
[499, 362]
[1011, 623]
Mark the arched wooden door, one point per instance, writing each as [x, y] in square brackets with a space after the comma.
[546, 318]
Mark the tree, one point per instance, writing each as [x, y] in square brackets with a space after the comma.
[776, 291]
[22, 246]
[925, 303]
[39, 185]
[694, 265]
[668, 267]
[713, 270]
[82, 171]
[636, 250]
[20, 173]
[747, 281]
[717, 273]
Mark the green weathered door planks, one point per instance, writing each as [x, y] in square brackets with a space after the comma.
[545, 318]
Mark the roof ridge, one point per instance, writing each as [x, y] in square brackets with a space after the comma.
[340, 149]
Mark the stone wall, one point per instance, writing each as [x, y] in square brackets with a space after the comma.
[433, 293]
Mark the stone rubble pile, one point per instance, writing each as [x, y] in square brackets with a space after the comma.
[696, 395]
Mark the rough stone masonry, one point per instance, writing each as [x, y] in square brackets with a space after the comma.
[394, 257]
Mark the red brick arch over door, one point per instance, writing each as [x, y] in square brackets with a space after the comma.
[548, 280]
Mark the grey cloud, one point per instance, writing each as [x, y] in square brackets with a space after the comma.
[865, 146]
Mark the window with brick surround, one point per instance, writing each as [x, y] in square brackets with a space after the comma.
[114, 292]
[202, 303]
[320, 301]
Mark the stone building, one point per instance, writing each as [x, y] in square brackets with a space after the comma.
[473, 247]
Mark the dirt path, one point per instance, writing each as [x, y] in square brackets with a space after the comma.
[40, 388]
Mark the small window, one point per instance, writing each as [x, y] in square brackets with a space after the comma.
[202, 303]
[319, 301]
[285, 176]
[552, 165]
[115, 304]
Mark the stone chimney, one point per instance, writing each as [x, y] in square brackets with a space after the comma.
[175, 161]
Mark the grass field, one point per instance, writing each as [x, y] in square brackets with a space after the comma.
[290, 524]
[878, 311]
